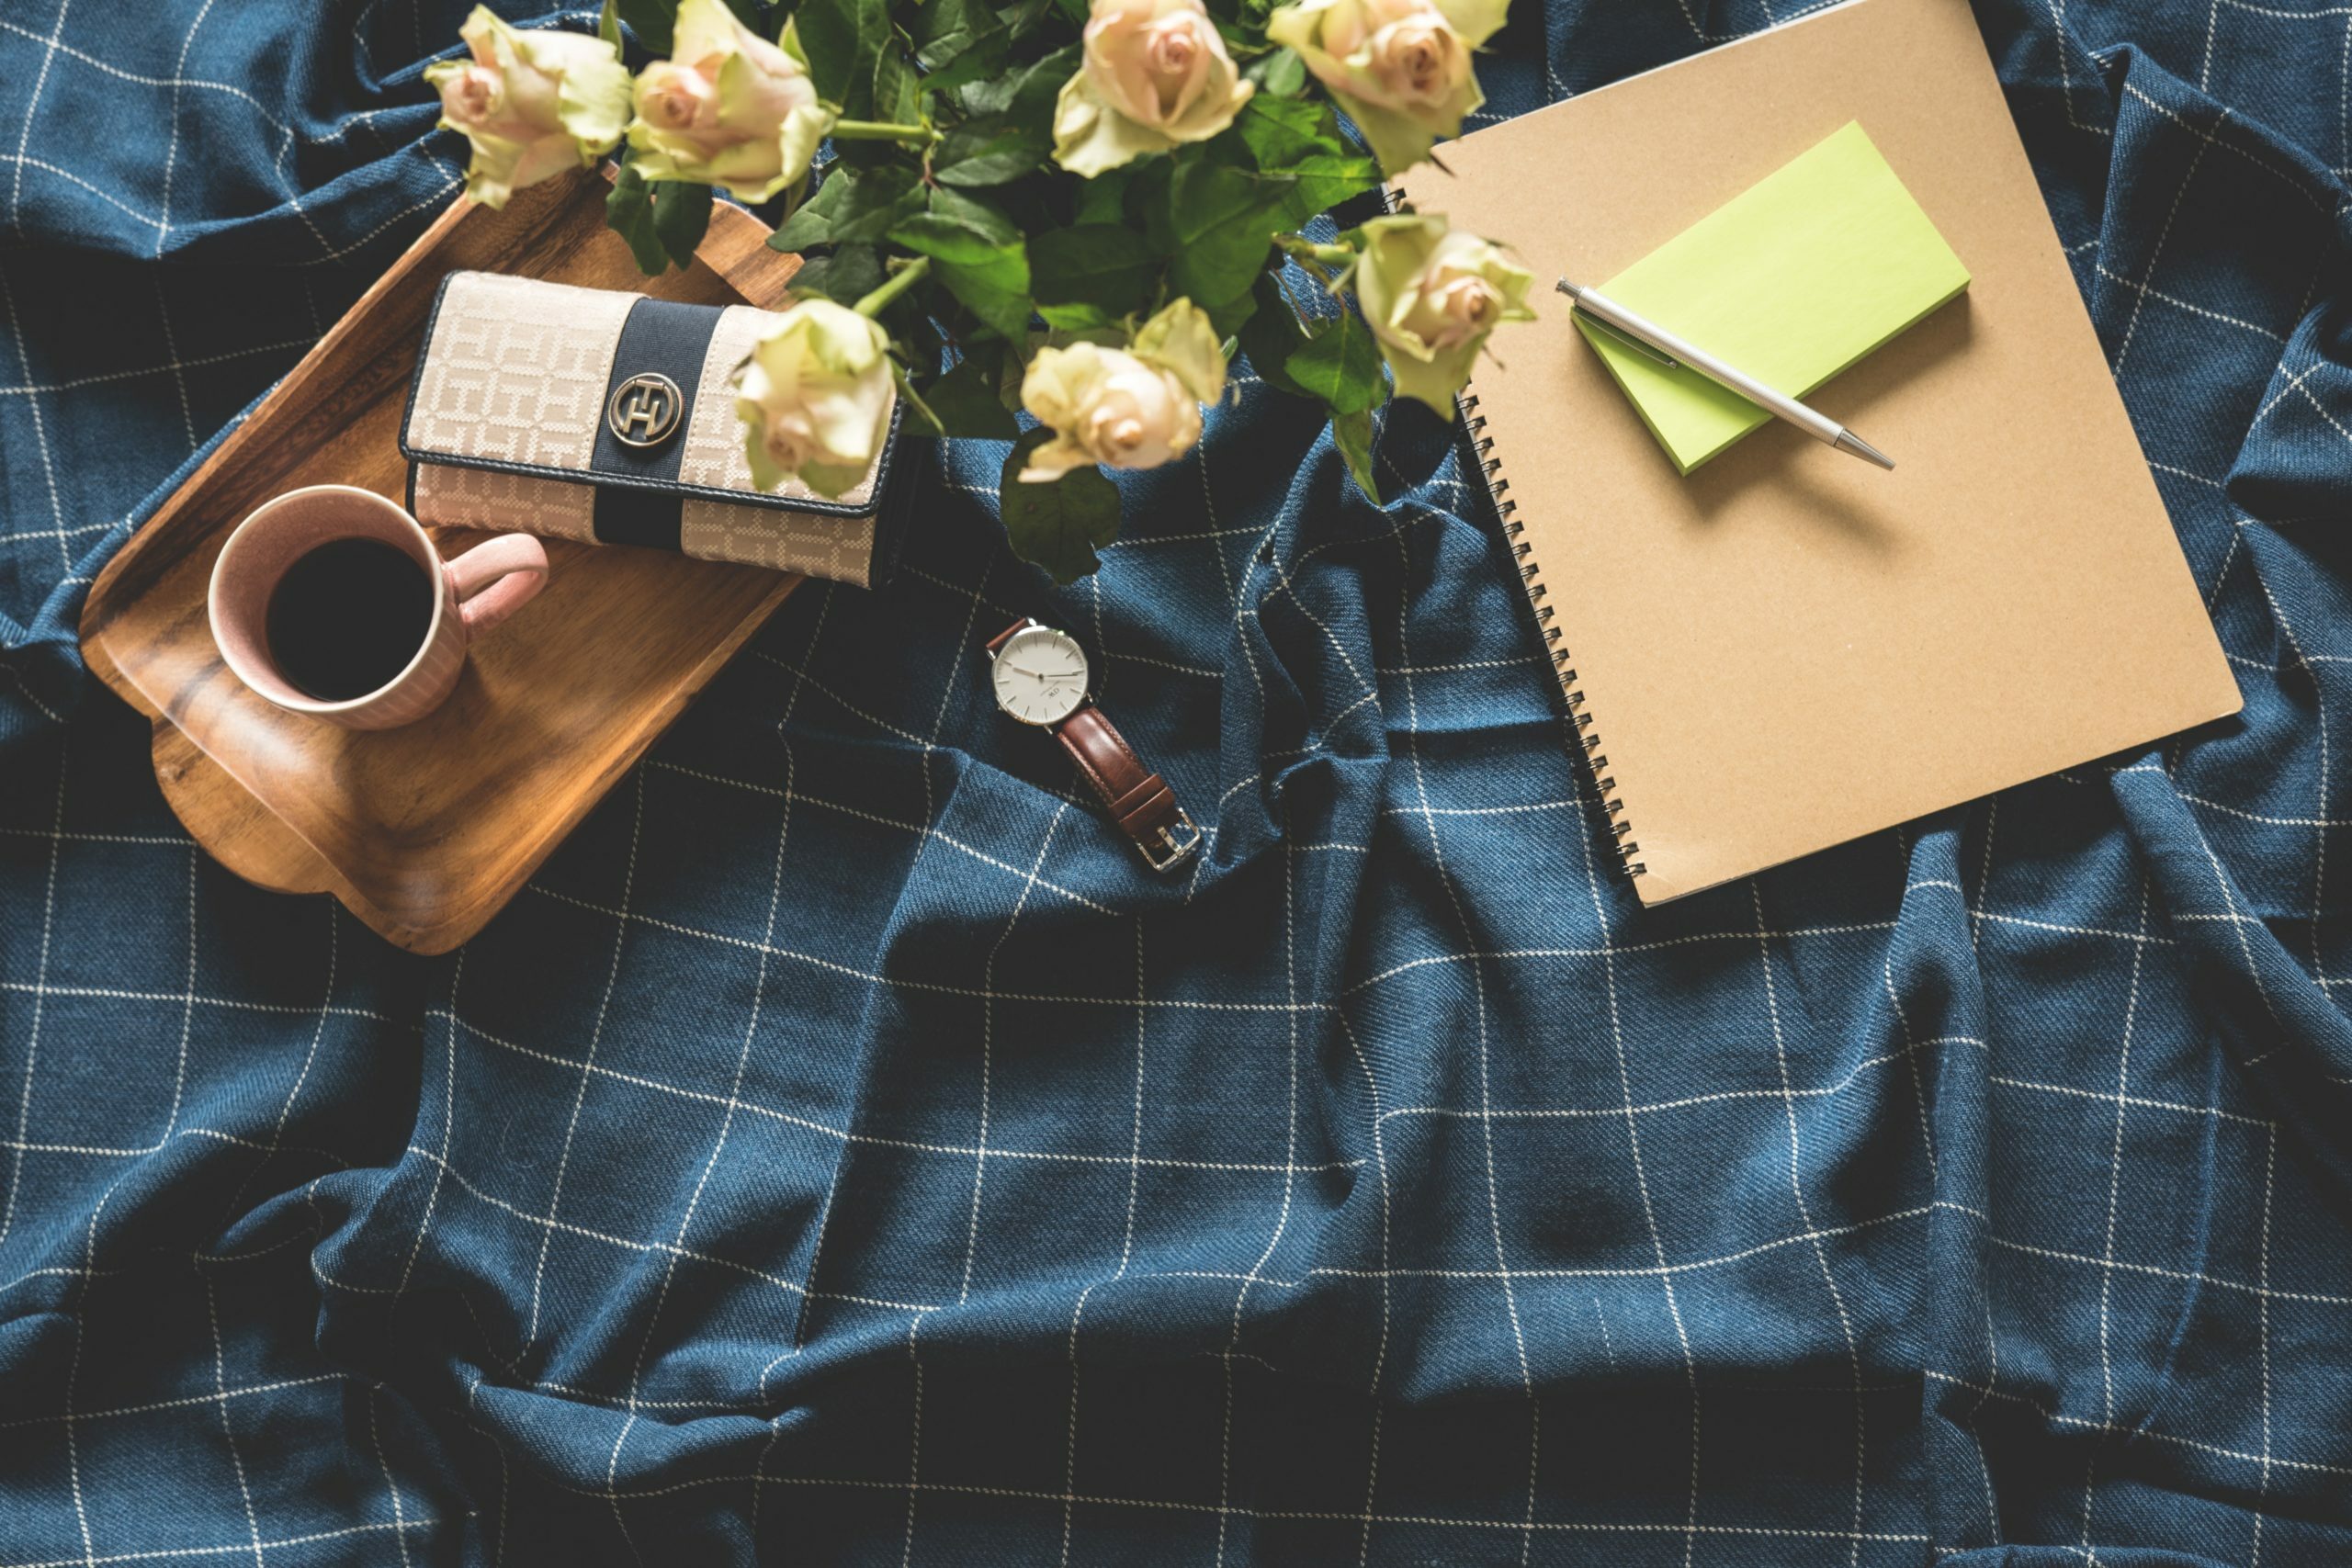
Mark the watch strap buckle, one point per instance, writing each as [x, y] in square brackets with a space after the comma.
[1175, 844]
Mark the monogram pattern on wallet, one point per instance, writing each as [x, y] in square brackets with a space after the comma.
[516, 371]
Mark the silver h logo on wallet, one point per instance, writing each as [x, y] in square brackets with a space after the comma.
[645, 410]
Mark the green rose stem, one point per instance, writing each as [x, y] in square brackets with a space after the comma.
[883, 131]
[905, 277]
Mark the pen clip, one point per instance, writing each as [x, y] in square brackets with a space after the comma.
[1636, 344]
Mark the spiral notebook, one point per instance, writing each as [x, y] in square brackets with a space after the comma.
[1789, 648]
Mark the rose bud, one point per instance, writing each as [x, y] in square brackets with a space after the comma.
[1400, 68]
[729, 109]
[531, 103]
[1131, 407]
[1431, 295]
[815, 399]
[1155, 74]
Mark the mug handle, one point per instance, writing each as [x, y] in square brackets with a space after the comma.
[496, 579]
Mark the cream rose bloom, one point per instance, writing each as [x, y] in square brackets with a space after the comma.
[1130, 408]
[729, 108]
[1400, 68]
[532, 104]
[816, 397]
[1155, 74]
[1431, 295]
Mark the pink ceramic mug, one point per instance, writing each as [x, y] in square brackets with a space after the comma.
[470, 597]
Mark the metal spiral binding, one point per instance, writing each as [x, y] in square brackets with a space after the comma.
[1530, 577]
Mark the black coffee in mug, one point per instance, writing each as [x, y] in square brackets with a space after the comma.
[348, 616]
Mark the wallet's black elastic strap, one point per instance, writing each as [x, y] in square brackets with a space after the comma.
[672, 339]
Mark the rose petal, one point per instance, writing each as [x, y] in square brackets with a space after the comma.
[1090, 137]
[816, 397]
[1181, 340]
[759, 123]
[1052, 460]
[1476, 21]
[593, 100]
[702, 29]
[1435, 380]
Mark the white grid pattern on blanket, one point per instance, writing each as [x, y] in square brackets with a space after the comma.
[454, 1031]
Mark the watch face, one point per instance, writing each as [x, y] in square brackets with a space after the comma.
[1040, 676]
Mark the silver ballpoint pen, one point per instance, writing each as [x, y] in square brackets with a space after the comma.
[1659, 344]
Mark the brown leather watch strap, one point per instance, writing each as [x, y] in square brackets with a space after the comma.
[1138, 800]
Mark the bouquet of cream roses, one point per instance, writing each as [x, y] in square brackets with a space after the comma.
[1082, 208]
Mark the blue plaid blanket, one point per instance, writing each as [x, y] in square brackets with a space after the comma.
[843, 1151]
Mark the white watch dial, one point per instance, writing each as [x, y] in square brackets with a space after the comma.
[1040, 676]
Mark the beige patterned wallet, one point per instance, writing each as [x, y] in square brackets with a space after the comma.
[609, 418]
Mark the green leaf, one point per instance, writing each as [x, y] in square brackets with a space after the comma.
[1058, 525]
[847, 275]
[843, 40]
[1280, 75]
[1271, 335]
[1027, 95]
[1020, 16]
[1103, 199]
[1112, 269]
[995, 290]
[1351, 433]
[1010, 125]
[650, 20]
[958, 41]
[1009, 379]
[898, 91]
[990, 151]
[876, 200]
[1325, 180]
[680, 214]
[1340, 364]
[1280, 131]
[811, 222]
[1040, 84]
[986, 59]
[1300, 137]
[1217, 227]
[1081, 321]
[608, 24]
[964, 399]
[943, 29]
[1230, 316]
[1146, 199]
[628, 213]
[975, 254]
[953, 219]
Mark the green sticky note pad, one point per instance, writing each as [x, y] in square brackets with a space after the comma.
[1791, 281]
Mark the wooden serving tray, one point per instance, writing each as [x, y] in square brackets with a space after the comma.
[425, 832]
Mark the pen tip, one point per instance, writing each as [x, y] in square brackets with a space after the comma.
[1570, 289]
[1849, 441]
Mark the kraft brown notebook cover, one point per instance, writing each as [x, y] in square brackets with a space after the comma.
[1790, 647]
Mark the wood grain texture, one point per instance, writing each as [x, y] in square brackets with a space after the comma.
[425, 832]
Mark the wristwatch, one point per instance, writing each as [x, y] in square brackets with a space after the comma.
[1039, 676]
